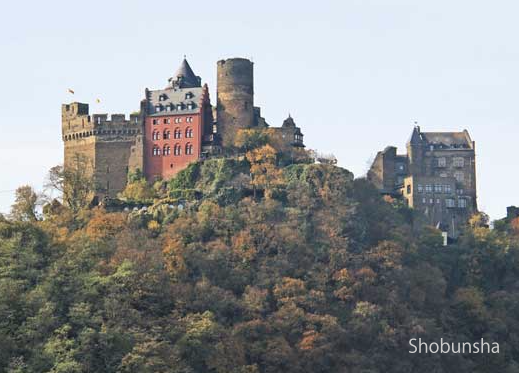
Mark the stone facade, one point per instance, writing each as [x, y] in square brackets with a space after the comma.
[174, 127]
[437, 176]
[512, 212]
[235, 97]
[111, 147]
[289, 135]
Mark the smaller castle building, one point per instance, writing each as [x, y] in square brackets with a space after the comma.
[437, 177]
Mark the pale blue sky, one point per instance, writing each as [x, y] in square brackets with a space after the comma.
[353, 74]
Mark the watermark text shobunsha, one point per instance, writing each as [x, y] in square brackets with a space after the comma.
[443, 347]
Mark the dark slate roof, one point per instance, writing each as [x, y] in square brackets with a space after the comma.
[289, 122]
[172, 97]
[447, 138]
[441, 139]
[185, 77]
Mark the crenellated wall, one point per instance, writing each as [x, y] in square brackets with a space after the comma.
[112, 145]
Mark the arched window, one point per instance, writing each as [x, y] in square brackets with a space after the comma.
[166, 150]
[177, 133]
[156, 150]
[167, 134]
[189, 132]
[155, 135]
[177, 150]
[189, 148]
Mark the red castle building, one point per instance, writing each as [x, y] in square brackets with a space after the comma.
[178, 121]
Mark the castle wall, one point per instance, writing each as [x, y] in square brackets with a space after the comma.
[388, 170]
[107, 143]
[112, 166]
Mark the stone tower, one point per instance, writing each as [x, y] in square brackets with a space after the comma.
[415, 151]
[235, 97]
[110, 147]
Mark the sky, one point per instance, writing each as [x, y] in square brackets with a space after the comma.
[354, 74]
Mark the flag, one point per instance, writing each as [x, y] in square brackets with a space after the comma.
[70, 91]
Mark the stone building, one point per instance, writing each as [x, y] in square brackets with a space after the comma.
[111, 147]
[437, 177]
[289, 134]
[175, 126]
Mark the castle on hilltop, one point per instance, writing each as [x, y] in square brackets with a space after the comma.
[437, 177]
[175, 126]
[178, 125]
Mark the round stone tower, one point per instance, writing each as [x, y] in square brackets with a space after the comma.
[235, 97]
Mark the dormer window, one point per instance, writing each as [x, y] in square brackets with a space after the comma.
[191, 106]
[179, 106]
[162, 97]
[458, 162]
[189, 95]
[158, 108]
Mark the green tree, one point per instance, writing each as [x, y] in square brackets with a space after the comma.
[25, 204]
[74, 182]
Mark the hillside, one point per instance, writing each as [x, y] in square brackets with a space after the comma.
[243, 265]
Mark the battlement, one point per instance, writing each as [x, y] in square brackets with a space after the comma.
[78, 124]
[74, 109]
[237, 60]
[115, 119]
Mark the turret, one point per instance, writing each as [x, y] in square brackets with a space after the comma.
[415, 149]
[235, 97]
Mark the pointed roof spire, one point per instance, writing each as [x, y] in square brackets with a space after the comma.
[185, 77]
[289, 122]
[415, 135]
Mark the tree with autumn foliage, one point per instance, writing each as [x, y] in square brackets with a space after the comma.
[265, 173]
[316, 272]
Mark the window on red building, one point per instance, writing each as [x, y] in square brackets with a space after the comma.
[177, 133]
[189, 132]
[189, 149]
[177, 150]
[166, 150]
[166, 121]
[155, 135]
[167, 134]
[156, 150]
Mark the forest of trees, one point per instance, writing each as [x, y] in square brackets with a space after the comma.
[245, 266]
